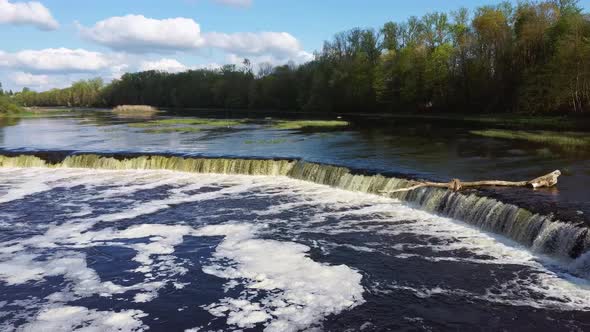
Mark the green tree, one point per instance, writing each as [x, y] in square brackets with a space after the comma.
[531, 57]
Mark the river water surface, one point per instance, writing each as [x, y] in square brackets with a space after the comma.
[159, 250]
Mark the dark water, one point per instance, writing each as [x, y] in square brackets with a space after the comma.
[132, 250]
[173, 251]
[431, 150]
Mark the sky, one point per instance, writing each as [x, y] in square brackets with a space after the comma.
[51, 43]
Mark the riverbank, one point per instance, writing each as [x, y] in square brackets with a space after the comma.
[32, 112]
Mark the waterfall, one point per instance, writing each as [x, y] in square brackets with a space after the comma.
[22, 161]
[155, 162]
[540, 233]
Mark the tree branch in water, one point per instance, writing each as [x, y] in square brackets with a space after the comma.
[548, 180]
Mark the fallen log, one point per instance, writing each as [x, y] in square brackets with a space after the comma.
[548, 180]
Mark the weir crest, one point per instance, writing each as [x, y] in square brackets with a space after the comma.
[542, 234]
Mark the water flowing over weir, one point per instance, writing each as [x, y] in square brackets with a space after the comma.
[540, 233]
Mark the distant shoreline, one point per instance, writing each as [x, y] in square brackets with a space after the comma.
[578, 122]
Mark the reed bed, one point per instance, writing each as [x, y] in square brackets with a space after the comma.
[135, 110]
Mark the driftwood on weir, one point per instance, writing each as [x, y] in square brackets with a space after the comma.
[548, 180]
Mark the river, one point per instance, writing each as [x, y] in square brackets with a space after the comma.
[110, 227]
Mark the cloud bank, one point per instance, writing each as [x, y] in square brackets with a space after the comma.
[138, 43]
[254, 43]
[139, 34]
[27, 13]
[55, 60]
[29, 80]
[165, 65]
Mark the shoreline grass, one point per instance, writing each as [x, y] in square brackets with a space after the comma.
[507, 121]
[41, 112]
[135, 110]
[186, 122]
[566, 140]
[201, 122]
[309, 124]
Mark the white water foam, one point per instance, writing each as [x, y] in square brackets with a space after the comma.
[358, 212]
[70, 318]
[296, 307]
[278, 284]
[296, 291]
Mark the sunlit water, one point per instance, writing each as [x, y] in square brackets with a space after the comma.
[99, 250]
[431, 150]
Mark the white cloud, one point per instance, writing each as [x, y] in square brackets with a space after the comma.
[4, 59]
[30, 80]
[166, 65]
[57, 68]
[137, 33]
[42, 82]
[257, 60]
[254, 43]
[174, 66]
[208, 66]
[117, 71]
[21, 13]
[235, 3]
[56, 60]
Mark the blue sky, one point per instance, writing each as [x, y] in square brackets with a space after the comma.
[51, 43]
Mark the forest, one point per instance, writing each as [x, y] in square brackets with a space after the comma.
[7, 106]
[533, 57]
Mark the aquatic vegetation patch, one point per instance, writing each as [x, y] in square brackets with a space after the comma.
[34, 112]
[135, 110]
[306, 124]
[167, 130]
[192, 121]
[141, 125]
[568, 140]
[188, 124]
[266, 141]
[30, 112]
[508, 121]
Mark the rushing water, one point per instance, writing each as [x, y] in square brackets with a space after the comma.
[138, 249]
[426, 150]
[131, 242]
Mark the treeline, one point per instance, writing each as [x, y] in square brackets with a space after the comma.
[533, 57]
[7, 105]
[85, 93]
